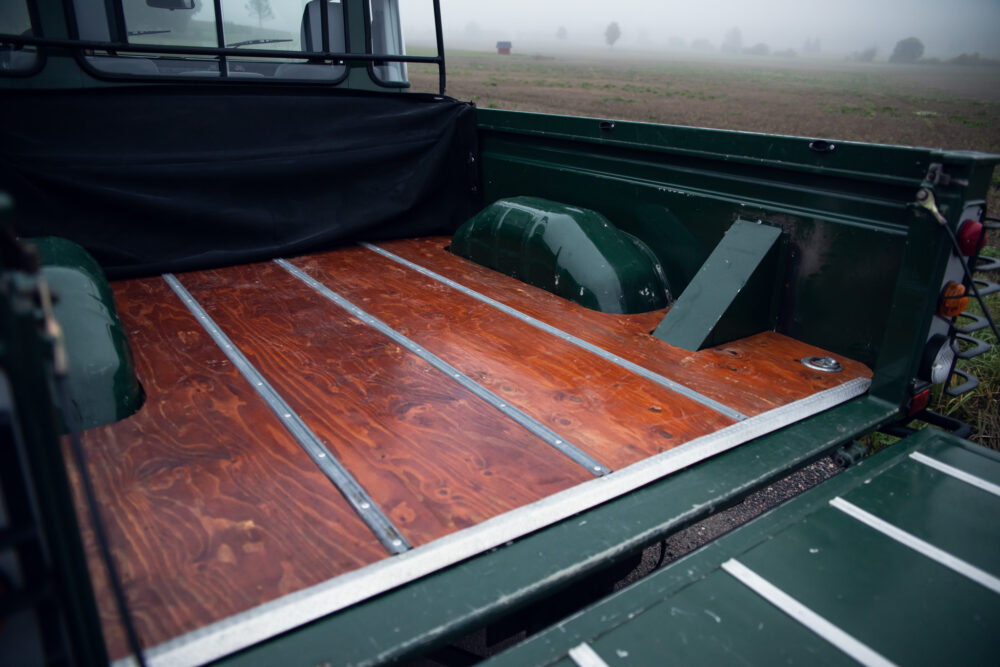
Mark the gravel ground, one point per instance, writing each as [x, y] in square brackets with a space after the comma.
[705, 531]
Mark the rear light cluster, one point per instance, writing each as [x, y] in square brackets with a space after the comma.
[950, 339]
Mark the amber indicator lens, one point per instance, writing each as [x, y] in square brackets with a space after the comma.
[953, 300]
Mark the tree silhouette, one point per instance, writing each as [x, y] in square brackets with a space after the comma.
[561, 32]
[866, 56]
[612, 34]
[261, 9]
[907, 50]
[733, 43]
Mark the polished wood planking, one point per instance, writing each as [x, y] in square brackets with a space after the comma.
[752, 375]
[435, 457]
[210, 506]
[613, 415]
[205, 487]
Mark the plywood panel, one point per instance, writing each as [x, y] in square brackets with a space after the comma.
[612, 414]
[205, 487]
[435, 457]
[210, 506]
[752, 375]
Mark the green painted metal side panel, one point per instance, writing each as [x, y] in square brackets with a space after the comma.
[680, 189]
[569, 251]
[705, 617]
[854, 284]
[902, 604]
[732, 294]
[415, 618]
[102, 377]
[941, 509]
[963, 459]
[905, 606]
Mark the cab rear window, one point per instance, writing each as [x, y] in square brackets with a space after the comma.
[176, 30]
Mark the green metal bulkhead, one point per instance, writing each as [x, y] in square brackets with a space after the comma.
[102, 380]
[572, 252]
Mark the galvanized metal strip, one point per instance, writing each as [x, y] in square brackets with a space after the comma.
[952, 471]
[536, 427]
[955, 563]
[804, 615]
[359, 499]
[663, 380]
[585, 656]
[270, 619]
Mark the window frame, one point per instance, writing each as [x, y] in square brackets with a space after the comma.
[12, 41]
[116, 45]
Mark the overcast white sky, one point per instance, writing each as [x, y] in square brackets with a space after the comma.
[945, 26]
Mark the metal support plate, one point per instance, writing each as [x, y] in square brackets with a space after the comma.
[731, 296]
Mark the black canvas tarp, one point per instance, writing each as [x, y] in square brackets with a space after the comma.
[173, 178]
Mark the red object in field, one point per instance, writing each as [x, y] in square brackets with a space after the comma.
[503, 48]
[970, 237]
[918, 402]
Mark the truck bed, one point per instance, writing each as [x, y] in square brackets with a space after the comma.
[491, 410]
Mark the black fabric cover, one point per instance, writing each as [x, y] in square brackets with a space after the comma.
[175, 178]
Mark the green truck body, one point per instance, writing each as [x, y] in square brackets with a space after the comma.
[840, 246]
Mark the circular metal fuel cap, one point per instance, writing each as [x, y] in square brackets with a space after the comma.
[824, 364]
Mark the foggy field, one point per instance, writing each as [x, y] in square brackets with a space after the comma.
[937, 106]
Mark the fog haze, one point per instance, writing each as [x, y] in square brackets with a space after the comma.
[945, 28]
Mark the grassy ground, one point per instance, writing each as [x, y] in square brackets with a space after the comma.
[935, 106]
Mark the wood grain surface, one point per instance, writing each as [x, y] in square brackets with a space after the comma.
[210, 506]
[213, 508]
[435, 457]
[613, 415]
[752, 375]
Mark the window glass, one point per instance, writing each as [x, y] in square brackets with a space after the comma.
[387, 38]
[181, 27]
[15, 19]
[283, 25]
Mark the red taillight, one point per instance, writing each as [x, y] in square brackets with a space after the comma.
[918, 402]
[970, 237]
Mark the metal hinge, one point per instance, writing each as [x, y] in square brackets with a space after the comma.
[937, 176]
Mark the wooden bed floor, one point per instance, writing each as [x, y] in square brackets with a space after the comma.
[212, 506]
